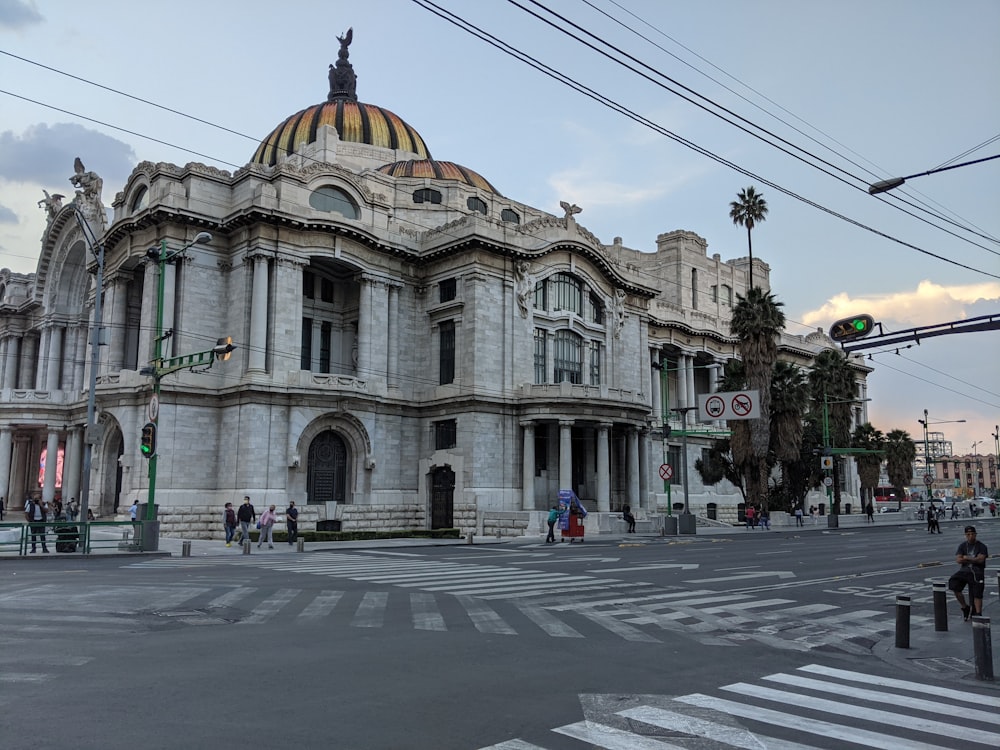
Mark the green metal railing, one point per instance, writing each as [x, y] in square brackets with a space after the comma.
[120, 536]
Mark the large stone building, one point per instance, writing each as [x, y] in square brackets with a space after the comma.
[414, 348]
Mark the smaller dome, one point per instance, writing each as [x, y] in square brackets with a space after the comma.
[438, 170]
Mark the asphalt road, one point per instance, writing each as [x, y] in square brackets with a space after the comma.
[761, 639]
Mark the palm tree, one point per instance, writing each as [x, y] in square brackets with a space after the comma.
[789, 400]
[748, 210]
[831, 382]
[900, 451]
[868, 438]
[757, 322]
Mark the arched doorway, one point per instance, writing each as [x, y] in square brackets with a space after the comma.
[327, 469]
[442, 497]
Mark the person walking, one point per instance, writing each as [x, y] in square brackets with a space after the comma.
[764, 519]
[246, 515]
[798, 515]
[72, 509]
[870, 512]
[971, 556]
[133, 514]
[554, 515]
[229, 522]
[267, 519]
[932, 520]
[813, 512]
[751, 523]
[292, 521]
[35, 513]
[2, 509]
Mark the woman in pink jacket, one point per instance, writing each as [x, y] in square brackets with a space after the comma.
[267, 519]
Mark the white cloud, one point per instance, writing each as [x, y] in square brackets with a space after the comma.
[15, 14]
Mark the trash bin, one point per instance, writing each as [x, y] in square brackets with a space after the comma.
[847, 509]
[713, 511]
[67, 538]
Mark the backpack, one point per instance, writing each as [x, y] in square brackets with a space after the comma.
[29, 511]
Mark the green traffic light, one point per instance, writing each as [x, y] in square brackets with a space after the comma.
[860, 324]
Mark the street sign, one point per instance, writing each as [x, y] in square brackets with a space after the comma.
[826, 462]
[928, 480]
[828, 481]
[732, 405]
[153, 410]
[666, 472]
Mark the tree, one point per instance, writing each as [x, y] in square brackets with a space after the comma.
[831, 382]
[757, 322]
[868, 438]
[789, 401]
[748, 210]
[900, 452]
[718, 465]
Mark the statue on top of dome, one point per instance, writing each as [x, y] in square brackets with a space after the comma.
[343, 81]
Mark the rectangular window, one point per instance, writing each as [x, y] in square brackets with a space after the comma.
[595, 363]
[674, 459]
[324, 346]
[326, 290]
[944, 466]
[445, 434]
[541, 448]
[446, 360]
[541, 296]
[305, 359]
[566, 358]
[308, 285]
[447, 290]
[568, 292]
[715, 293]
[540, 355]
[727, 295]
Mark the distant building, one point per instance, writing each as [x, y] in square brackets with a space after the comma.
[415, 349]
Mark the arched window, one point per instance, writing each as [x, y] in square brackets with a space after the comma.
[594, 311]
[568, 293]
[510, 216]
[477, 204]
[141, 200]
[567, 350]
[333, 200]
[426, 195]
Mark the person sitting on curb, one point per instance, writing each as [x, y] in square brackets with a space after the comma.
[971, 555]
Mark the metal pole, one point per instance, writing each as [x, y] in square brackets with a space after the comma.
[686, 523]
[902, 622]
[95, 342]
[157, 361]
[983, 647]
[940, 607]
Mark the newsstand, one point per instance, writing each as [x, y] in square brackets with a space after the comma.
[571, 523]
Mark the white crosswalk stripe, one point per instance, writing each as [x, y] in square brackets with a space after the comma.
[550, 601]
[857, 718]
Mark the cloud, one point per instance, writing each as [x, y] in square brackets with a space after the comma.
[928, 304]
[43, 154]
[15, 14]
[7, 216]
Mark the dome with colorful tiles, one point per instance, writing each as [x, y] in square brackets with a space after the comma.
[354, 121]
[438, 170]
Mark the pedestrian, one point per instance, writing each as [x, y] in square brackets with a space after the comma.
[35, 513]
[764, 519]
[2, 509]
[292, 521]
[267, 519]
[554, 515]
[932, 520]
[993, 508]
[629, 519]
[57, 510]
[72, 509]
[90, 515]
[870, 512]
[954, 510]
[229, 522]
[798, 515]
[814, 513]
[246, 515]
[133, 513]
[971, 555]
[750, 517]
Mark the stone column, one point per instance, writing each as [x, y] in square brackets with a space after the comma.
[115, 317]
[603, 468]
[29, 361]
[55, 358]
[655, 373]
[392, 367]
[51, 464]
[566, 454]
[6, 452]
[72, 464]
[77, 377]
[691, 399]
[528, 466]
[364, 341]
[633, 467]
[258, 315]
[41, 360]
[12, 356]
[168, 348]
[147, 322]
[644, 470]
[18, 484]
[713, 387]
[682, 380]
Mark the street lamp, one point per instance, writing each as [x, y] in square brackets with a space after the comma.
[884, 186]
[978, 468]
[928, 474]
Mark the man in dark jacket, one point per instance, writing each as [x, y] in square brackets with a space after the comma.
[35, 512]
[246, 516]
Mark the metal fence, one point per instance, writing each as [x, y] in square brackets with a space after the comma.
[70, 537]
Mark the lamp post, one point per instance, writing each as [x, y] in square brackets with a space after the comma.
[162, 256]
[97, 248]
[928, 473]
[883, 186]
[978, 467]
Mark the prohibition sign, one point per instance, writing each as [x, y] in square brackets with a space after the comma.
[742, 405]
[715, 406]
[666, 471]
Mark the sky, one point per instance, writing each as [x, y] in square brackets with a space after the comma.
[851, 92]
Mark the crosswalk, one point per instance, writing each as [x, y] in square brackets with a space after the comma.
[510, 600]
[813, 707]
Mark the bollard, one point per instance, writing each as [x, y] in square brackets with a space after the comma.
[902, 622]
[246, 546]
[300, 545]
[983, 647]
[468, 538]
[941, 607]
[185, 549]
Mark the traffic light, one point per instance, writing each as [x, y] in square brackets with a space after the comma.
[148, 444]
[855, 327]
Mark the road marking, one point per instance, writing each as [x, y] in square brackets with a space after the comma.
[549, 623]
[484, 618]
[371, 610]
[750, 574]
[425, 612]
[949, 693]
[734, 736]
[270, 606]
[609, 738]
[657, 566]
[322, 605]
